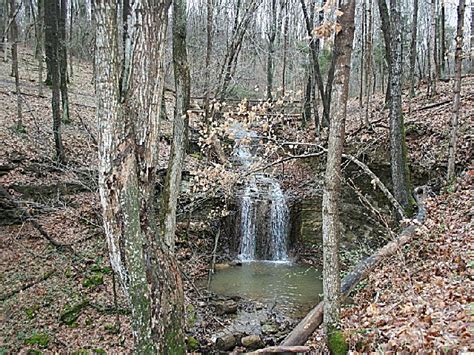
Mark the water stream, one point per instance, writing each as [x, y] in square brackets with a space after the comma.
[293, 289]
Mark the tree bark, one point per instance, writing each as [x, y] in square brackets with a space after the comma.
[398, 154]
[432, 54]
[271, 35]
[51, 13]
[385, 24]
[209, 31]
[128, 114]
[414, 30]
[14, 40]
[63, 60]
[172, 185]
[332, 186]
[456, 92]
[368, 61]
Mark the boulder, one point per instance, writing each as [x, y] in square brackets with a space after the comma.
[252, 341]
[226, 307]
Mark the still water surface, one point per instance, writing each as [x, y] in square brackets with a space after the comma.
[293, 288]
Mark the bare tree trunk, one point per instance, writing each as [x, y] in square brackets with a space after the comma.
[172, 186]
[363, 37]
[51, 13]
[128, 112]
[71, 21]
[432, 54]
[414, 30]
[271, 35]
[457, 91]
[368, 61]
[14, 40]
[332, 186]
[63, 60]
[6, 17]
[397, 138]
[285, 49]
[442, 40]
[385, 24]
[209, 31]
[40, 44]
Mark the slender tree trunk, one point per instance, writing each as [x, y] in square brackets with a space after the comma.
[442, 40]
[128, 112]
[71, 21]
[5, 30]
[414, 30]
[397, 137]
[363, 37]
[271, 48]
[40, 46]
[433, 61]
[51, 13]
[14, 40]
[285, 49]
[172, 186]
[63, 60]
[332, 186]
[209, 31]
[457, 91]
[368, 61]
[385, 24]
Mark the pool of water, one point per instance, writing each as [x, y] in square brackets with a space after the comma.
[293, 288]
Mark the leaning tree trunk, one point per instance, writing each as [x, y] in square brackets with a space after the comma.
[128, 112]
[51, 12]
[180, 125]
[457, 91]
[332, 186]
[397, 137]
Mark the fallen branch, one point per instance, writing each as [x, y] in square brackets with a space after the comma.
[300, 334]
[375, 180]
[27, 286]
[283, 349]
[28, 217]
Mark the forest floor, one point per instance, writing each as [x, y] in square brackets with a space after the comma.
[60, 299]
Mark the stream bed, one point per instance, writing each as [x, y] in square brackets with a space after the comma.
[292, 288]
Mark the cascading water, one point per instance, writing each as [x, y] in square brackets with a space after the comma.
[263, 221]
[264, 212]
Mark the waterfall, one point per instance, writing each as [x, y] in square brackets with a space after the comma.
[264, 221]
[264, 212]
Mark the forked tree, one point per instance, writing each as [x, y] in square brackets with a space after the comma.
[129, 84]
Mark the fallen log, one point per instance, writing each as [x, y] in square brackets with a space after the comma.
[300, 334]
[282, 349]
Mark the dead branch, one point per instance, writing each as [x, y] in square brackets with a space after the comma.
[314, 318]
[375, 180]
[28, 217]
[27, 286]
[282, 349]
